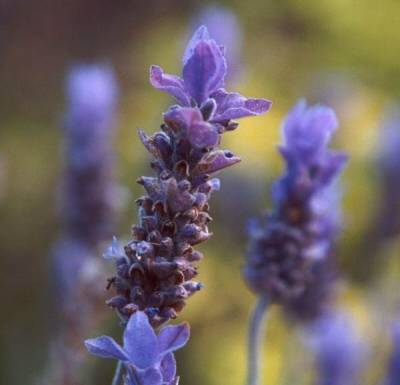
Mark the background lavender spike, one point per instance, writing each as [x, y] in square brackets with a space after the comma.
[385, 225]
[339, 351]
[291, 244]
[285, 245]
[389, 167]
[156, 271]
[87, 212]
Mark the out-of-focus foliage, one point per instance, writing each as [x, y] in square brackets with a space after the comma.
[340, 52]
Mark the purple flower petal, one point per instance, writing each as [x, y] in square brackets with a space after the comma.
[140, 341]
[202, 135]
[200, 34]
[215, 161]
[204, 71]
[189, 122]
[308, 130]
[169, 83]
[168, 368]
[332, 164]
[114, 251]
[106, 347]
[172, 338]
[231, 105]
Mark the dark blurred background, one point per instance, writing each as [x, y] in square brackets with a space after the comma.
[344, 53]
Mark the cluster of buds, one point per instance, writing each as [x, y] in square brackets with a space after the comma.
[298, 234]
[156, 270]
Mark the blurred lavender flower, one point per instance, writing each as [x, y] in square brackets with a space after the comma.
[89, 187]
[393, 370]
[388, 223]
[224, 26]
[339, 350]
[87, 212]
[155, 273]
[87, 193]
[148, 357]
[294, 236]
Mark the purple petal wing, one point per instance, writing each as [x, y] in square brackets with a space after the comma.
[234, 106]
[200, 34]
[215, 161]
[204, 71]
[106, 347]
[169, 83]
[168, 368]
[140, 341]
[172, 338]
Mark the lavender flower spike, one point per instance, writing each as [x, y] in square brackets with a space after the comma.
[147, 357]
[204, 71]
[286, 244]
[156, 274]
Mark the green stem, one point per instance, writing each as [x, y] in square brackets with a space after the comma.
[256, 337]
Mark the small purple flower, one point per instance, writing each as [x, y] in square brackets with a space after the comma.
[148, 358]
[338, 349]
[204, 71]
[286, 246]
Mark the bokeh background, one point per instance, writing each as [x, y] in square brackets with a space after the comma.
[343, 52]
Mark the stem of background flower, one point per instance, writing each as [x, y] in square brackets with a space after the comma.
[256, 337]
[117, 376]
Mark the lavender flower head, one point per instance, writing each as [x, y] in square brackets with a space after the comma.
[338, 349]
[156, 270]
[147, 357]
[288, 242]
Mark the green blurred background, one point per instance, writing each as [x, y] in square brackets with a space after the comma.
[343, 52]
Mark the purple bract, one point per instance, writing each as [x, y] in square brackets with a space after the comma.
[148, 358]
